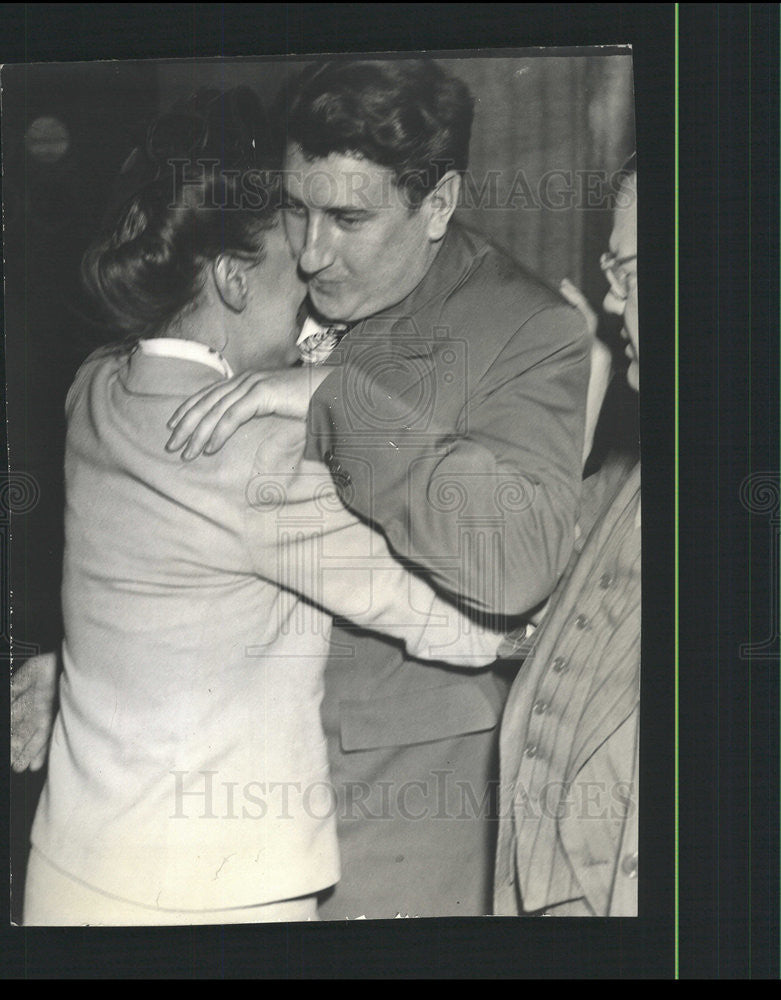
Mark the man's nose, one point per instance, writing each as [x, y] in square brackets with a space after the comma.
[317, 253]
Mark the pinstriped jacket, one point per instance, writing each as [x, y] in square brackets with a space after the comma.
[567, 841]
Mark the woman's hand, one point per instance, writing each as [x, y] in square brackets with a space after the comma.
[208, 419]
[33, 697]
[576, 298]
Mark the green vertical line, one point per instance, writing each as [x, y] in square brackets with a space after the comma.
[675, 611]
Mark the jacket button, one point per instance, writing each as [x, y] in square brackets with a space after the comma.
[581, 622]
[540, 707]
[530, 750]
[559, 664]
[605, 580]
[629, 865]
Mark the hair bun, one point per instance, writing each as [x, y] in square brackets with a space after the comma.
[230, 126]
[181, 200]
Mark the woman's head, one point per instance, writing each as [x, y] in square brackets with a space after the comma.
[198, 242]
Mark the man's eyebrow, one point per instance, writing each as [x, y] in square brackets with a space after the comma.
[355, 210]
[349, 210]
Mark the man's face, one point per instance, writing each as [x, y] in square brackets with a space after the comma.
[359, 247]
[623, 246]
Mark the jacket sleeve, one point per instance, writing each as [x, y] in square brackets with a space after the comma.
[302, 538]
[485, 504]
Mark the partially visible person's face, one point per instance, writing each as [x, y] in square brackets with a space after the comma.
[275, 292]
[623, 246]
[359, 247]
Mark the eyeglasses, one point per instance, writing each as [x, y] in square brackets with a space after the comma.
[617, 278]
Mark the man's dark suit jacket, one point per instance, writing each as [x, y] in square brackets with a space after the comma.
[454, 422]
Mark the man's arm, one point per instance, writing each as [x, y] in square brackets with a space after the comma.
[484, 502]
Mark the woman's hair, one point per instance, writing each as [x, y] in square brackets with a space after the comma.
[204, 185]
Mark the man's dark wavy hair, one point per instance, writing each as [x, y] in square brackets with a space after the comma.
[407, 115]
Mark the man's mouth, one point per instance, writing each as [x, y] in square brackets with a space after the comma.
[320, 285]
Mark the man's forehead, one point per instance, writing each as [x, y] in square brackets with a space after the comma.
[338, 181]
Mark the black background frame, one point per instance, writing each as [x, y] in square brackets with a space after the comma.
[728, 803]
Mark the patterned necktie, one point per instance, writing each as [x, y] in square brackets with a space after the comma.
[316, 342]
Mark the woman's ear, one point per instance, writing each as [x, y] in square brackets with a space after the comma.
[441, 203]
[230, 279]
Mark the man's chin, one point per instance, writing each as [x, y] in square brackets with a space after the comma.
[340, 308]
[332, 308]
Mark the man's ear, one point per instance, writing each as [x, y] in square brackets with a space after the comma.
[230, 280]
[441, 203]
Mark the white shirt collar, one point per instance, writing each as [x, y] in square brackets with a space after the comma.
[187, 350]
[308, 329]
[311, 327]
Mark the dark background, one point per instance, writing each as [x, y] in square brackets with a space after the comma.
[728, 405]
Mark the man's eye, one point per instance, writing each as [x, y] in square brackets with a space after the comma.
[350, 221]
